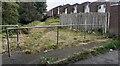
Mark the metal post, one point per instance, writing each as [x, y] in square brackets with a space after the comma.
[57, 34]
[17, 38]
[85, 30]
[84, 34]
[8, 43]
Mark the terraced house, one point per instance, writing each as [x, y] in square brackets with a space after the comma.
[115, 18]
[85, 7]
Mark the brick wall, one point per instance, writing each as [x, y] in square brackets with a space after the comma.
[94, 6]
[115, 19]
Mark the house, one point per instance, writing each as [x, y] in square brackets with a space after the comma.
[71, 9]
[86, 7]
[75, 8]
[95, 6]
[66, 8]
[49, 13]
[105, 7]
[55, 11]
[59, 9]
[115, 19]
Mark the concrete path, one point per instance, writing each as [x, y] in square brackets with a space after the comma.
[22, 58]
[107, 58]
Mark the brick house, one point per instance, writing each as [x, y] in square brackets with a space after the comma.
[85, 7]
[75, 8]
[60, 9]
[67, 9]
[49, 13]
[104, 7]
[115, 18]
[94, 6]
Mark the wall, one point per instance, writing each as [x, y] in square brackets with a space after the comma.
[115, 19]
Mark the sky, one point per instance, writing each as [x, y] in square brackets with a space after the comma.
[53, 3]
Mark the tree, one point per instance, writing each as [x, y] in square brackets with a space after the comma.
[41, 7]
[10, 14]
[30, 11]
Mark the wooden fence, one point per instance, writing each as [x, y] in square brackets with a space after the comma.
[95, 20]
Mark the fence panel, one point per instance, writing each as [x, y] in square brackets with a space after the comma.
[95, 19]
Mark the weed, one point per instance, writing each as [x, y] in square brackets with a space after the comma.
[113, 45]
[46, 60]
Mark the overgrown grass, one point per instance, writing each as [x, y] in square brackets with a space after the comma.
[34, 23]
[50, 21]
[45, 39]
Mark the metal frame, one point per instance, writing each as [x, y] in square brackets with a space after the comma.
[57, 26]
[7, 37]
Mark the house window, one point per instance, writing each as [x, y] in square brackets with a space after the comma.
[104, 6]
[99, 7]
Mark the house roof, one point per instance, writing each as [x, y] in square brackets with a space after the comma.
[85, 3]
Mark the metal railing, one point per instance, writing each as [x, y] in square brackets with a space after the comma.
[57, 27]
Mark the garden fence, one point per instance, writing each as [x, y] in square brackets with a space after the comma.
[86, 18]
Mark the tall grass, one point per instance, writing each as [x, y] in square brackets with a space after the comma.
[49, 21]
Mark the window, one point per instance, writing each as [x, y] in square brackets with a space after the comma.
[99, 7]
[104, 6]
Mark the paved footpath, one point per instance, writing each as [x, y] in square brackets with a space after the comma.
[22, 58]
[107, 58]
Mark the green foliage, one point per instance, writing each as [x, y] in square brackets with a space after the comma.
[30, 11]
[22, 12]
[41, 7]
[33, 23]
[113, 45]
[51, 47]
[100, 50]
[46, 60]
[79, 56]
[10, 13]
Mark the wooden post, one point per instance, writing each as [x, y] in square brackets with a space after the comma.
[57, 34]
[8, 43]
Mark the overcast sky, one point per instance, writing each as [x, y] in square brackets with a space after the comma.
[53, 3]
